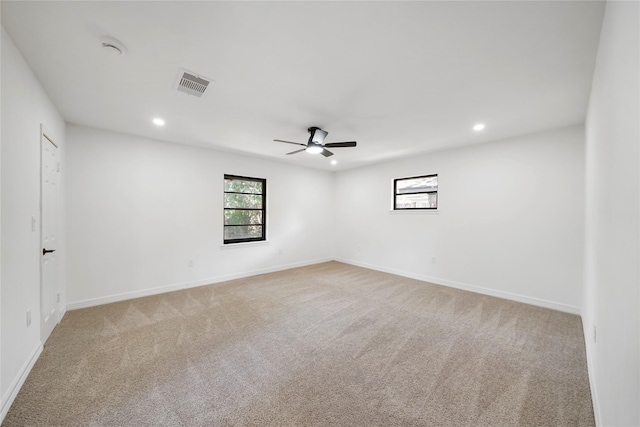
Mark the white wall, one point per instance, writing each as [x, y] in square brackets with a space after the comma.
[611, 301]
[509, 221]
[1, 394]
[139, 209]
[25, 106]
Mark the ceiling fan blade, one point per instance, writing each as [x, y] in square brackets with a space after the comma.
[297, 151]
[289, 142]
[326, 153]
[341, 144]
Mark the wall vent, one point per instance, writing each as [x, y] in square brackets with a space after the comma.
[192, 83]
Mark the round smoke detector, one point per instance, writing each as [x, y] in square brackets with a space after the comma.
[113, 46]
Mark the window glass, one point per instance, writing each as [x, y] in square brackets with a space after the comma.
[244, 209]
[418, 192]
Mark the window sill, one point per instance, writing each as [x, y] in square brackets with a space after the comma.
[244, 245]
[414, 212]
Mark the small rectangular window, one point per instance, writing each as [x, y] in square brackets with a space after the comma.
[417, 192]
[245, 211]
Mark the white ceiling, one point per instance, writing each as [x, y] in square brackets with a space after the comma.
[398, 77]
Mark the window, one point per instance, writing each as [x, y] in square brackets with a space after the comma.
[245, 212]
[417, 192]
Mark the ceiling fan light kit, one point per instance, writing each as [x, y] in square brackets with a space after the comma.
[314, 148]
[316, 145]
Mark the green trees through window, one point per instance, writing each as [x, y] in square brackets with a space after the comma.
[244, 209]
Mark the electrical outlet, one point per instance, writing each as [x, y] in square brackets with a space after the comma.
[33, 223]
[433, 260]
[58, 297]
[279, 251]
[190, 263]
[28, 318]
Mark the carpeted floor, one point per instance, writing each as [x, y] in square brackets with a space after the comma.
[325, 345]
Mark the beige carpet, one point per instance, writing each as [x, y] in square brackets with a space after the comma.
[324, 345]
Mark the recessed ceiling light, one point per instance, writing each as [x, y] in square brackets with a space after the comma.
[158, 121]
[478, 127]
[334, 162]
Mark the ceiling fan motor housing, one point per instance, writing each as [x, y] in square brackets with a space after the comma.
[317, 135]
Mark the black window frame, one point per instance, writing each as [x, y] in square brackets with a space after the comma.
[263, 237]
[396, 194]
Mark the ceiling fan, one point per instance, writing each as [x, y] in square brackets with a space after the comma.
[316, 144]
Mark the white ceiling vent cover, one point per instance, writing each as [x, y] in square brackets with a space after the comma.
[193, 84]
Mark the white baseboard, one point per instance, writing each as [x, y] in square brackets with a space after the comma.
[178, 286]
[91, 302]
[242, 275]
[217, 279]
[17, 383]
[592, 382]
[472, 288]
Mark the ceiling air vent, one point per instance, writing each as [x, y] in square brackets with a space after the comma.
[193, 84]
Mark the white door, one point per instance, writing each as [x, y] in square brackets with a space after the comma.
[49, 172]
